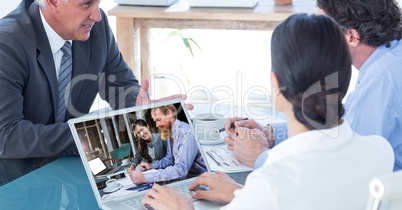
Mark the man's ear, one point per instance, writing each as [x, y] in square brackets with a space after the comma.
[169, 113]
[352, 37]
[52, 5]
[319, 11]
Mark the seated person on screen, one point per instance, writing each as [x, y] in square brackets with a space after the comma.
[183, 158]
[150, 145]
[323, 164]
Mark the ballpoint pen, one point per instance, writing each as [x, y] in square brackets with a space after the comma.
[215, 160]
[232, 125]
[141, 187]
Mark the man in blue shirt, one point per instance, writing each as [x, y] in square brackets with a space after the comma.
[183, 158]
[373, 29]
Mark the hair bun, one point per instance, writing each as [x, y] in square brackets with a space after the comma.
[320, 110]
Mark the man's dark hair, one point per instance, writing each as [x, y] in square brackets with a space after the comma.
[377, 21]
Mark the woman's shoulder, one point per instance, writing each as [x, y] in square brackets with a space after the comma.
[375, 145]
[156, 137]
[158, 141]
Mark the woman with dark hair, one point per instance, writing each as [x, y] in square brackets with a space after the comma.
[323, 164]
[151, 147]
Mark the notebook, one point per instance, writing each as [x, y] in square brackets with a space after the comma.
[97, 131]
[99, 168]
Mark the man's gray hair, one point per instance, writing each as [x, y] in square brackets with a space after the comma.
[42, 3]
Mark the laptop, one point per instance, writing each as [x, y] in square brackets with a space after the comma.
[99, 168]
[91, 131]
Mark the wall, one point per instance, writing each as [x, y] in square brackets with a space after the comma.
[7, 6]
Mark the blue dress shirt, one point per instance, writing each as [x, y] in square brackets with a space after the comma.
[375, 107]
[281, 133]
[182, 160]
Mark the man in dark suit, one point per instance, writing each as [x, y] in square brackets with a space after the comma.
[31, 38]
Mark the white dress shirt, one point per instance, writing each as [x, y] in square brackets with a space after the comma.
[316, 170]
[56, 43]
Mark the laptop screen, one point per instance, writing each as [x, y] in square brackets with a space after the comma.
[96, 165]
[99, 135]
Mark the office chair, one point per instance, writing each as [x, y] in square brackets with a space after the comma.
[123, 152]
[386, 192]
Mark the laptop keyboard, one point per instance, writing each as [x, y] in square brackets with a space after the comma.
[105, 171]
[184, 191]
[135, 202]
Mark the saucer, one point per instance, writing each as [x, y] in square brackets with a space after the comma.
[108, 190]
[214, 141]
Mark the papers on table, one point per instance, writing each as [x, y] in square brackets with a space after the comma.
[221, 159]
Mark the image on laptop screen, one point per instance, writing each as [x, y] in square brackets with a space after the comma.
[125, 134]
[96, 165]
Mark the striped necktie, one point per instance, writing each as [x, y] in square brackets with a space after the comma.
[64, 81]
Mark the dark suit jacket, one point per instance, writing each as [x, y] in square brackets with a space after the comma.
[29, 136]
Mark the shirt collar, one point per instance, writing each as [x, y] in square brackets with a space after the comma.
[378, 53]
[55, 41]
[314, 140]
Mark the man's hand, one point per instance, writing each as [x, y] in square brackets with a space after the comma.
[136, 177]
[164, 197]
[238, 122]
[229, 142]
[248, 145]
[145, 166]
[143, 99]
[270, 135]
[221, 186]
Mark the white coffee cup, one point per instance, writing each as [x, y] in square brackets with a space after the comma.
[207, 126]
[124, 162]
[111, 183]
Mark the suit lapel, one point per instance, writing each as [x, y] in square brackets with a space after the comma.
[81, 54]
[44, 53]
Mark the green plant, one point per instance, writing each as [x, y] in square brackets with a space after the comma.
[187, 41]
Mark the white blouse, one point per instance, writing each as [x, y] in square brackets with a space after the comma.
[315, 170]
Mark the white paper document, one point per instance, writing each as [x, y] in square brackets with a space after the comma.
[221, 159]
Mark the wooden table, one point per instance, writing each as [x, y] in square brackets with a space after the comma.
[133, 23]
